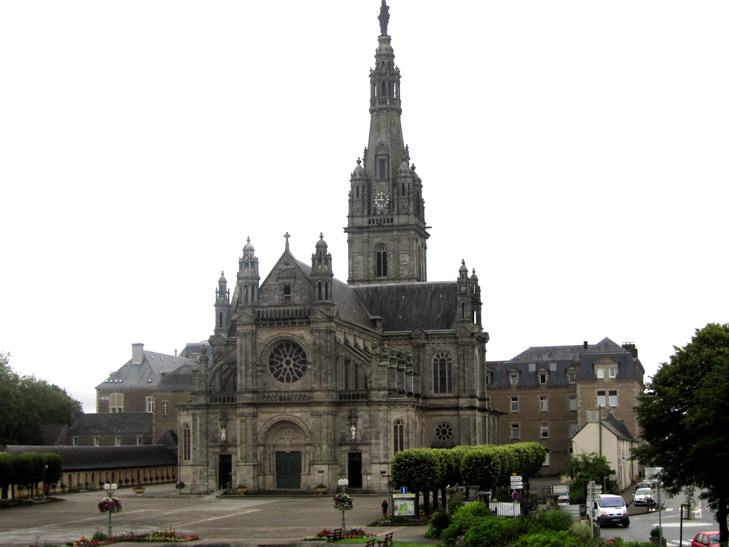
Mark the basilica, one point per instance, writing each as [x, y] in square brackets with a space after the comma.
[308, 379]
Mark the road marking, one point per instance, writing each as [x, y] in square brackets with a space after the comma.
[218, 518]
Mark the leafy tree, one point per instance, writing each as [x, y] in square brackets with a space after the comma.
[584, 468]
[683, 416]
[483, 467]
[419, 469]
[27, 404]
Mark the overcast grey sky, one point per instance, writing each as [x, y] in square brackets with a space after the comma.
[573, 152]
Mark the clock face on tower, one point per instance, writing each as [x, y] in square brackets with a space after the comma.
[381, 201]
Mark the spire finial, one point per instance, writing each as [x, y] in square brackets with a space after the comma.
[287, 236]
[384, 18]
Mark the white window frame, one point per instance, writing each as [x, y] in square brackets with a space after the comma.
[513, 378]
[543, 403]
[600, 373]
[546, 458]
[150, 404]
[613, 397]
[601, 400]
[515, 431]
[572, 403]
[543, 377]
[544, 431]
[97, 441]
[165, 408]
[612, 372]
[514, 405]
[117, 440]
[140, 440]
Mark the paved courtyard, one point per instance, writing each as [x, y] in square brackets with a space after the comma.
[244, 521]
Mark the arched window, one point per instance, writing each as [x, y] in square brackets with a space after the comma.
[442, 373]
[381, 261]
[186, 442]
[398, 437]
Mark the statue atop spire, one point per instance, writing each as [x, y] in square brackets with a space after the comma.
[384, 18]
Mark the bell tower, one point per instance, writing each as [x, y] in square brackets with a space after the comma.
[386, 230]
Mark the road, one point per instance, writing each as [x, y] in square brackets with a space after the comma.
[641, 523]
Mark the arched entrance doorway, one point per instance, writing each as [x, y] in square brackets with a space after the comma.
[286, 455]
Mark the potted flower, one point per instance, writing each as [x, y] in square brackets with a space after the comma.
[657, 536]
[320, 489]
[110, 505]
[343, 501]
[242, 489]
[138, 489]
[179, 485]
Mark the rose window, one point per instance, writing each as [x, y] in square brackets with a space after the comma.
[287, 362]
[444, 431]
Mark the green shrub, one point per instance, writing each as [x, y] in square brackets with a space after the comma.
[437, 523]
[496, 531]
[548, 538]
[555, 520]
[462, 519]
[581, 530]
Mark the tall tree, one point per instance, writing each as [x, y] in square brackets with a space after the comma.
[27, 404]
[683, 415]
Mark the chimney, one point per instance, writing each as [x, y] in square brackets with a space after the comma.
[630, 346]
[137, 354]
[593, 416]
[584, 344]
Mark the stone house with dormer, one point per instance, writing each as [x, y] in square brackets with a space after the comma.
[547, 393]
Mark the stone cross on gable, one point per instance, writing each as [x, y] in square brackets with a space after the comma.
[287, 236]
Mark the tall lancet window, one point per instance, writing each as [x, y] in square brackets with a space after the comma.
[398, 436]
[381, 261]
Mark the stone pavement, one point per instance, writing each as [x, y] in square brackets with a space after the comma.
[236, 521]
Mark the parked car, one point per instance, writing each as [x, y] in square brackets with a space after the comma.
[611, 510]
[647, 484]
[706, 539]
[643, 496]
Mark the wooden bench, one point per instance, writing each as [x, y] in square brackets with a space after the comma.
[386, 541]
[336, 536]
[371, 542]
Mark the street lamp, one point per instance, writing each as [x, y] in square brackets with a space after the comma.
[343, 483]
[110, 490]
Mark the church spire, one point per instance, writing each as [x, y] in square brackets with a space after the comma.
[386, 221]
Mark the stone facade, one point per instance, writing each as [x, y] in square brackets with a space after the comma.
[310, 379]
[547, 393]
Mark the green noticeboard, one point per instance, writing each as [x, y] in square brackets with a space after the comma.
[403, 505]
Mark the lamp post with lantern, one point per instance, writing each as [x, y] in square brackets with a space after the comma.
[110, 504]
[343, 483]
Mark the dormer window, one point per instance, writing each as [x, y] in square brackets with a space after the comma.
[571, 376]
[612, 372]
[513, 378]
[542, 377]
[600, 373]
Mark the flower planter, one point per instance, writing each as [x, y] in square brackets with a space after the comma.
[138, 490]
[241, 490]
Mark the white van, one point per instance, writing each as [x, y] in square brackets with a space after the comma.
[611, 510]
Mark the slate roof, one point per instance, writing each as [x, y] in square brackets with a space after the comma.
[618, 427]
[146, 374]
[169, 439]
[134, 423]
[179, 379]
[79, 458]
[577, 357]
[408, 306]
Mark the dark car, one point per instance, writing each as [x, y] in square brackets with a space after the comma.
[706, 539]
